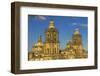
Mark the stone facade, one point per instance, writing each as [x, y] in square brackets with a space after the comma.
[50, 48]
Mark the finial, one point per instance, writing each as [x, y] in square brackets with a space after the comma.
[51, 21]
[40, 39]
[51, 25]
[76, 31]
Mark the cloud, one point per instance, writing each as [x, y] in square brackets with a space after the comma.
[84, 25]
[74, 24]
[79, 24]
[41, 17]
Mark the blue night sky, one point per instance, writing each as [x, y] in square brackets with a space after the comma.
[37, 24]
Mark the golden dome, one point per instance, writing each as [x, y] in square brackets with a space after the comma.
[39, 44]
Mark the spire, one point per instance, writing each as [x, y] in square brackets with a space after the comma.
[39, 43]
[77, 32]
[40, 39]
[51, 25]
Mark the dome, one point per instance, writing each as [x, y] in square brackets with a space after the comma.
[51, 27]
[39, 44]
[35, 44]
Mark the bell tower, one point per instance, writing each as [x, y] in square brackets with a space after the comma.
[77, 40]
[51, 40]
[38, 47]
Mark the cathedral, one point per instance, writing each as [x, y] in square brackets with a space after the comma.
[50, 48]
